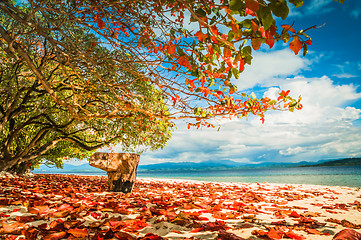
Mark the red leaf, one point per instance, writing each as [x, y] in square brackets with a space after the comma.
[184, 62]
[347, 234]
[241, 65]
[252, 4]
[201, 36]
[269, 39]
[250, 12]
[309, 42]
[294, 214]
[295, 236]
[151, 236]
[296, 45]
[171, 49]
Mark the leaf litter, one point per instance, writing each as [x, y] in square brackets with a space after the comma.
[79, 207]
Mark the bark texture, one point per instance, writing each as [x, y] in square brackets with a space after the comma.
[121, 169]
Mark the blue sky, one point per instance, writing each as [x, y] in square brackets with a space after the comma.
[328, 79]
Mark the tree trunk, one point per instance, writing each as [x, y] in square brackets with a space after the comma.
[7, 165]
[21, 168]
[121, 169]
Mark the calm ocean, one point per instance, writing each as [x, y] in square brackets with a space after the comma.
[332, 176]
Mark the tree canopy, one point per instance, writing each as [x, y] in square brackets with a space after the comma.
[34, 127]
[87, 73]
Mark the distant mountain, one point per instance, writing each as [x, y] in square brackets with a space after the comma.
[202, 166]
[207, 165]
[216, 165]
[341, 162]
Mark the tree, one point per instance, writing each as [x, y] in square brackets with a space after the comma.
[34, 128]
[190, 68]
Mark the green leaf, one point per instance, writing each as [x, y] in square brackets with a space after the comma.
[265, 15]
[279, 8]
[246, 23]
[201, 12]
[235, 72]
[297, 3]
[246, 51]
[229, 74]
[230, 36]
[216, 48]
[248, 59]
[197, 111]
[216, 11]
[236, 5]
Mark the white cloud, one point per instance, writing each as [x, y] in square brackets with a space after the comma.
[323, 129]
[344, 75]
[291, 151]
[266, 66]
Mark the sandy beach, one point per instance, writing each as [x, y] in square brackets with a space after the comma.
[79, 207]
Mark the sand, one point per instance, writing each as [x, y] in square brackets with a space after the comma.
[78, 207]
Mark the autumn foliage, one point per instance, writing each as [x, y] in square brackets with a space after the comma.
[142, 62]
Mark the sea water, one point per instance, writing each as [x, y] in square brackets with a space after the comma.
[332, 176]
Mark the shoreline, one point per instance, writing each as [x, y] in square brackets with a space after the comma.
[329, 176]
[176, 209]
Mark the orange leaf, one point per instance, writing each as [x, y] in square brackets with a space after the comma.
[235, 27]
[227, 52]
[273, 234]
[294, 236]
[12, 228]
[254, 26]
[288, 28]
[201, 36]
[55, 236]
[171, 49]
[313, 231]
[296, 45]
[78, 233]
[184, 62]
[256, 43]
